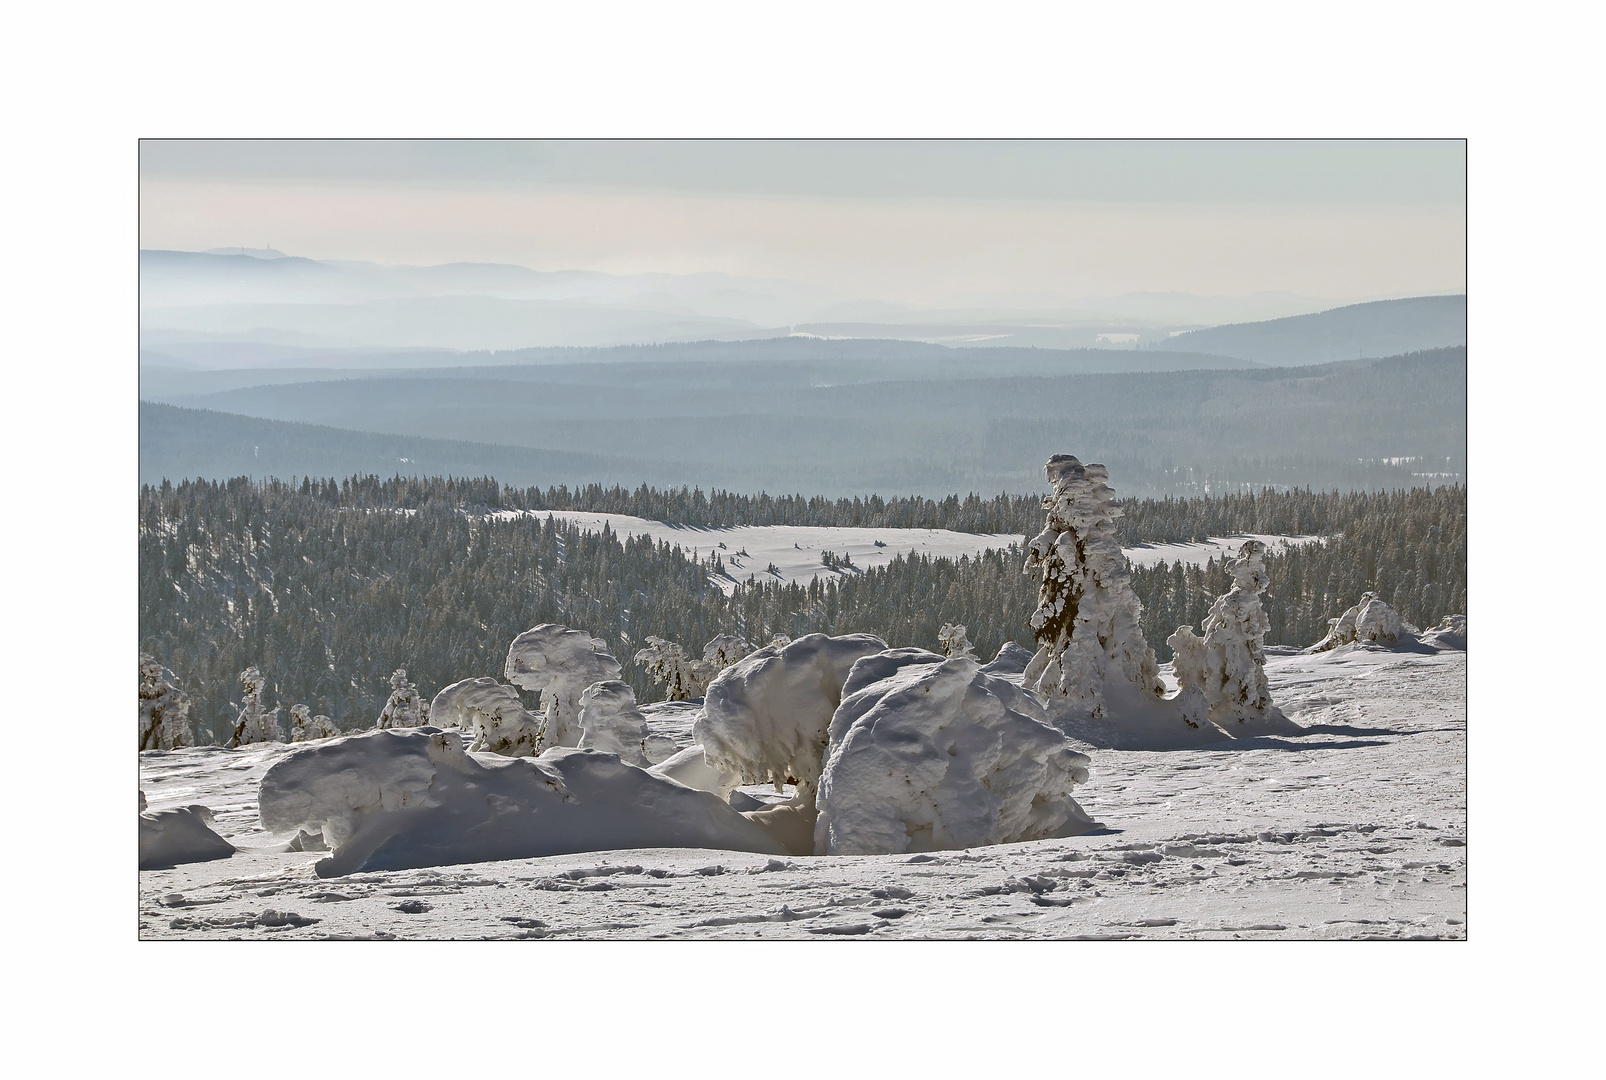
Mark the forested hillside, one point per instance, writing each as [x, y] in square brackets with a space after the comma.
[328, 587]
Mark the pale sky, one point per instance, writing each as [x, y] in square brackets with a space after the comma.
[918, 222]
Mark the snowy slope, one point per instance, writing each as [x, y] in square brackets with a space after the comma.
[1355, 830]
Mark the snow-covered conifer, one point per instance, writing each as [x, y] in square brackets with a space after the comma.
[404, 708]
[493, 713]
[1225, 670]
[955, 641]
[611, 723]
[164, 709]
[1370, 621]
[255, 724]
[1087, 618]
[304, 727]
[560, 663]
[668, 663]
[724, 650]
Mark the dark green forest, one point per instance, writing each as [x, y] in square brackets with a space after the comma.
[329, 586]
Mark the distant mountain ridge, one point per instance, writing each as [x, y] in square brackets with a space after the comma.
[1356, 331]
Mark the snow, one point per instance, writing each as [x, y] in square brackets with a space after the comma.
[304, 727]
[493, 713]
[164, 709]
[404, 707]
[611, 723]
[181, 834]
[766, 716]
[560, 663]
[1370, 621]
[1449, 632]
[406, 798]
[256, 724]
[1354, 829]
[691, 767]
[929, 753]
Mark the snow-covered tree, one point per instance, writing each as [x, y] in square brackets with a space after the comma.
[405, 708]
[164, 709]
[668, 663]
[255, 724]
[495, 715]
[560, 663]
[611, 722]
[725, 650]
[304, 727]
[1087, 622]
[1370, 621]
[1225, 671]
[955, 641]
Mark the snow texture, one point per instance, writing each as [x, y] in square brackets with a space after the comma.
[560, 663]
[404, 708]
[1225, 671]
[766, 717]
[182, 834]
[931, 753]
[1370, 622]
[1087, 622]
[955, 641]
[164, 709]
[691, 768]
[255, 724]
[611, 723]
[1449, 633]
[391, 800]
[1012, 659]
[304, 727]
[492, 713]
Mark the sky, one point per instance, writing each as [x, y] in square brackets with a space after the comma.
[927, 223]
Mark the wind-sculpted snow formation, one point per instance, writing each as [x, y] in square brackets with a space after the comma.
[1087, 618]
[304, 727]
[766, 717]
[611, 722]
[1370, 622]
[255, 724]
[182, 834]
[955, 641]
[690, 767]
[492, 713]
[164, 709]
[1012, 659]
[931, 753]
[1449, 632]
[1222, 676]
[392, 800]
[404, 708]
[560, 663]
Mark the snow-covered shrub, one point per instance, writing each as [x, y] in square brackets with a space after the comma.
[398, 799]
[1227, 667]
[183, 834]
[304, 727]
[611, 722]
[255, 724]
[955, 641]
[1087, 618]
[404, 708]
[766, 716]
[930, 753]
[1369, 622]
[164, 709]
[493, 714]
[560, 663]
[683, 678]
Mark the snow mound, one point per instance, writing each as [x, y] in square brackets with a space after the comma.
[690, 767]
[180, 835]
[1012, 659]
[492, 713]
[399, 799]
[929, 753]
[767, 715]
[560, 663]
[1370, 622]
[611, 722]
[164, 709]
[1449, 632]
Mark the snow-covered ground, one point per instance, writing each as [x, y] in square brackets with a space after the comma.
[1356, 829]
[796, 551]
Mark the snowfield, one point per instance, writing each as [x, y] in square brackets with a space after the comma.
[1355, 829]
[796, 550]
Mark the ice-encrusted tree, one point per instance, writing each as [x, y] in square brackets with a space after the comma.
[955, 641]
[164, 709]
[404, 708]
[1370, 621]
[255, 724]
[1087, 622]
[304, 727]
[724, 650]
[666, 662]
[560, 663]
[1223, 674]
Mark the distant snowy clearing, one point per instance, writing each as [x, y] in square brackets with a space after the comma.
[796, 550]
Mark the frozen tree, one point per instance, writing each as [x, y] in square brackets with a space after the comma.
[1223, 674]
[955, 641]
[255, 724]
[304, 727]
[1087, 618]
[164, 709]
[725, 650]
[405, 708]
[611, 722]
[493, 713]
[560, 663]
[668, 663]
[1370, 621]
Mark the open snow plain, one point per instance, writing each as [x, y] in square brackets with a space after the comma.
[1356, 829]
[796, 550]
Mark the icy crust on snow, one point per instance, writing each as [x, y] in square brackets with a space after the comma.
[766, 716]
[1087, 622]
[931, 753]
[164, 709]
[182, 834]
[611, 722]
[560, 663]
[1370, 622]
[399, 799]
[1223, 674]
[492, 713]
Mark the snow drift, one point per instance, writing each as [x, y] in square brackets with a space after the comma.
[492, 713]
[766, 717]
[181, 835]
[397, 799]
[560, 663]
[1449, 632]
[928, 753]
